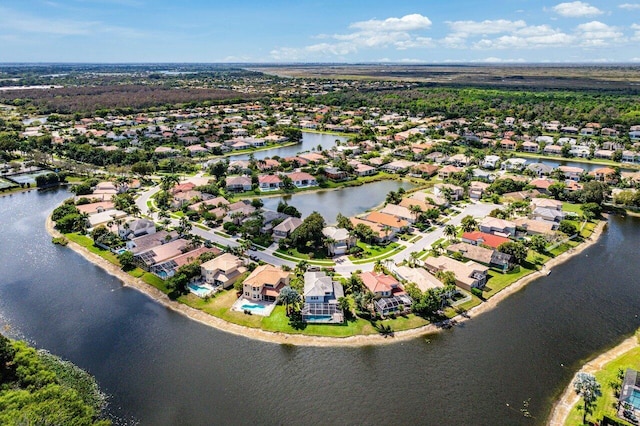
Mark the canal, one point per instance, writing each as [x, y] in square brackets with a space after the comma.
[161, 368]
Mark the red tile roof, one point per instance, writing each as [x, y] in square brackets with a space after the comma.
[484, 238]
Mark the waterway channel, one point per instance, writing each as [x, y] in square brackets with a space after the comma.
[310, 142]
[161, 368]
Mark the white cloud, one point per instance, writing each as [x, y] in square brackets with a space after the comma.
[397, 33]
[598, 34]
[465, 28]
[576, 9]
[411, 22]
[23, 23]
[494, 60]
[630, 6]
[636, 35]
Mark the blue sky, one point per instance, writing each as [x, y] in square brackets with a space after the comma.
[408, 31]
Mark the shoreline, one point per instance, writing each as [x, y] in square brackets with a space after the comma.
[563, 406]
[308, 340]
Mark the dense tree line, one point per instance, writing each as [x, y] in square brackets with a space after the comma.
[566, 106]
[120, 98]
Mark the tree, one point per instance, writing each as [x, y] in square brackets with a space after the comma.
[450, 231]
[587, 387]
[591, 210]
[184, 226]
[516, 249]
[538, 243]
[309, 233]
[468, 223]
[344, 305]
[169, 181]
[126, 260]
[567, 227]
[290, 298]
[557, 190]
[343, 222]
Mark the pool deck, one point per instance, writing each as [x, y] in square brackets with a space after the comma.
[268, 307]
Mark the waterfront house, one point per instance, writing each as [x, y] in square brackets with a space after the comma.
[169, 267]
[400, 212]
[441, 189]
[223, 271]
[303, 179]
[238, 183]
[390, 297]
[145, 242]
[321, 294]
[393, 223]
[447, 171]
[536, 227]
[468, 275]
[159, 253]
[571, 173]
[490, 162]
[269, 182]
[630, 393]
[265, 283]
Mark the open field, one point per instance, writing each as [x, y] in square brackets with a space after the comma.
[610, 78]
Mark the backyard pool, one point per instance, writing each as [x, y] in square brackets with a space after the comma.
[201, 290]
[263, 309]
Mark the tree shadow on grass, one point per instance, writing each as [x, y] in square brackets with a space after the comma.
[296, 322]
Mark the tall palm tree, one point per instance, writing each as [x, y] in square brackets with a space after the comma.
[290, 298]
[468, 223]
[169, 181]
[450, 231]
[415, 211]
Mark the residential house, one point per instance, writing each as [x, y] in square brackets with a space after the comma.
[399, 212]
[447, 171]
[604, 174]
[137, 228]
[468, 275]
[536, 227]
[491, 162]
[238, 183]
[223, 270]
[477, 189]
[335, 173]
[303, 179]
[269, 182]
[161, 252]
[265, 283]
[482, 238]
[93, 208]
[547, 214]
[381, 232]
[390, 297]
[285, 228]
[571, 173]
[424, 170]
[418, 276]
[547, 203]
[339, 240]
[492, 225]
[169, 267]
[552, 149]
[321, 294]
[482, 255]
[514, 164]
[441, 189]
[529, 146]
[540, 169]
[387, 221]
[145, 242]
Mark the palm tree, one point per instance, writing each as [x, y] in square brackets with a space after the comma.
[386, 229]
[169, 181]
[414, 257]
[450, 231]
[468, 223]
[415, 211]
[344, 305]
[290, 298]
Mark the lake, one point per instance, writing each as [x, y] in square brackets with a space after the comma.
[161, 368]
[349, 201]
[310, 142]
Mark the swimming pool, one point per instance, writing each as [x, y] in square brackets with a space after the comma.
[634, 399]
[318, 318]
[200, 291]
[254, 308]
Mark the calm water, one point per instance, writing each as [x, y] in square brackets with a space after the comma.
[310, 142]
[348, 201]
[163, 369]
[559, 162]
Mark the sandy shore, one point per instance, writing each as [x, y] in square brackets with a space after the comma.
[305, 340]
[563, 406]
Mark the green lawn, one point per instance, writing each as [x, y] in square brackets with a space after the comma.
[87, 243]
[606, 377]
[499, 281]
[572, 208]
[370, 250]
[319, 254]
